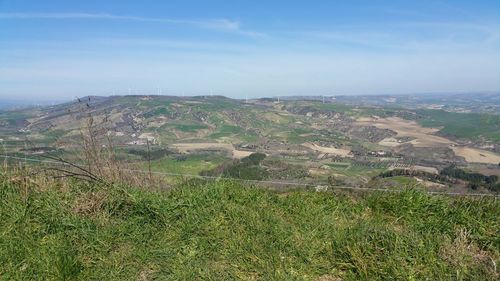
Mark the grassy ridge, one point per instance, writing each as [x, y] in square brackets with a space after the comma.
[225, 231]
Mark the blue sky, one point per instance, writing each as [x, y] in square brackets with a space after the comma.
[58, 49]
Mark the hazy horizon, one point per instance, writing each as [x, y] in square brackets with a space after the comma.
[61, 49]
[8, 102]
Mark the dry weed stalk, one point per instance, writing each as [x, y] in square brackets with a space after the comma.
[97, 159]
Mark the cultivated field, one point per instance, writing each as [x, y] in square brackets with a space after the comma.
[422, 137]
[425, 137]
[475, 155]
[192, 147]
[330, 150]
[303, 140]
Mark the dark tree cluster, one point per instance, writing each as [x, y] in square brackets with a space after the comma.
[412, 173]
[475, 180]
[450, 175]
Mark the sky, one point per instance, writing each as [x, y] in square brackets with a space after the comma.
[62, 49]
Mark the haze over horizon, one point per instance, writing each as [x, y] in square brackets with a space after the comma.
[60, 49]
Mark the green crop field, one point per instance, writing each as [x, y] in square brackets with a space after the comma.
[189, 127]
[233, 131]
[462, 125]
[190, 164]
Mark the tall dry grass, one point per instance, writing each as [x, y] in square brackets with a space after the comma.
[94, 159]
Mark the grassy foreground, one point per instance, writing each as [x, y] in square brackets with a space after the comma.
[225, 231]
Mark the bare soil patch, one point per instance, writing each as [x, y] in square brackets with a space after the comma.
[422, 137]
[330, 150]
[475, 155]
[190, 147]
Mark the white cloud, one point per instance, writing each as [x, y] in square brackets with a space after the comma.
[401, 57]
[213, 24]
[408, 36]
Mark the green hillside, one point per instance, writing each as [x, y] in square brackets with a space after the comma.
[462, 125]
[225, 231]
